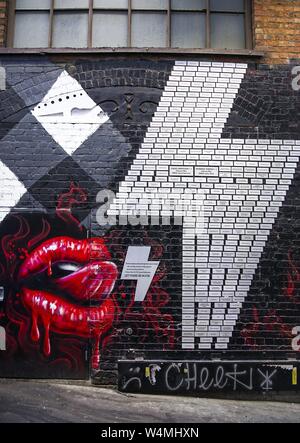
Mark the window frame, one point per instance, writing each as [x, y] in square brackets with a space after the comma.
[248, 19]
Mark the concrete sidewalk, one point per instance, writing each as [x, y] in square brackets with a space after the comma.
[50, 402]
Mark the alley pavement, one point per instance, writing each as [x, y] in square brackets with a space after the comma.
[56, 402]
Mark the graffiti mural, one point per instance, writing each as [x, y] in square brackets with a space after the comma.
[238, 184]
[188, 377]
[202, 159]
[62, 296]
[69, 269]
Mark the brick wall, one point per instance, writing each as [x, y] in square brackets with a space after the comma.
[277, 29]
[142, 128]
[150, 129]
[3, 21]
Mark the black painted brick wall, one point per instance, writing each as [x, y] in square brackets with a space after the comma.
[129, 90]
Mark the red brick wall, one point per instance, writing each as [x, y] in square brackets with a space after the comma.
[277, 29]
[3, 21]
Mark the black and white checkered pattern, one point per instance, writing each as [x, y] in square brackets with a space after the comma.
[49, 147]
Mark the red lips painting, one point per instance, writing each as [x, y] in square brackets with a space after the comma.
[65, 309]
[81, 274]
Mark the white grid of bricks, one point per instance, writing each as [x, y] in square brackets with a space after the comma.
[241, 183]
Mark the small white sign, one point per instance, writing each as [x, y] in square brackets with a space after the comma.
[138, 267]
[182, 171]
[207, 171]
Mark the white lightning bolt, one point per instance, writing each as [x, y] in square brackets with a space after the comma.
[244, 183]
[138, 267]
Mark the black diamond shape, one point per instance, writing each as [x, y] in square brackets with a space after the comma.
[12, 110]
[58, 181]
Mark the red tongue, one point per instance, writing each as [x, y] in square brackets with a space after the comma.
[62, 249]
[94, 282]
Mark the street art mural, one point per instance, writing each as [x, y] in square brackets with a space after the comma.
[62, 297]
[238, 184]
[195, 377]
[203, 157]
[67, 262]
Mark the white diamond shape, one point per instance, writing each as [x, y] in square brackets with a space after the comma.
[10, 192]
[68, 114]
